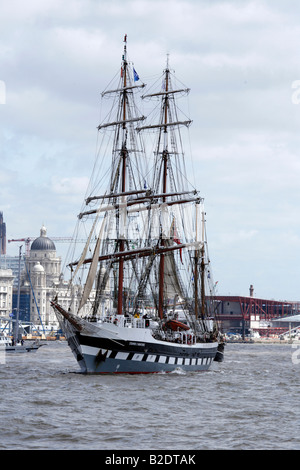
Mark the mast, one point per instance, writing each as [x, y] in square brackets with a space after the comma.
[202, 254]
[164, 190]
[196, 259]
[18, 300]
[123, 178]
[165, 172]
[109, 243]
[199, 261]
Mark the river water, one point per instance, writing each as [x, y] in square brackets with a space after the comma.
[250, 401]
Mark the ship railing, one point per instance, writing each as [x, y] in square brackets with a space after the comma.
[177, 337]
[127, 322]
[185, 338]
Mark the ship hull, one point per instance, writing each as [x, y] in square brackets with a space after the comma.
[108, 348]
[105, 356]
[105, 353]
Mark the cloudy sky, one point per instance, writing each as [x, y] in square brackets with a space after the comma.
[241, 59]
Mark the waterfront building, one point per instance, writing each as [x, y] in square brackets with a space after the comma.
[42, 278]
[12, 262]
[43, 268]
[6, 293]
[249, 314]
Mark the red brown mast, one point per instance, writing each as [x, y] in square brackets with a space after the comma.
[123, 182]
[164, 190]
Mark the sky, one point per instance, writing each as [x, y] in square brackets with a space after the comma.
[240, 58]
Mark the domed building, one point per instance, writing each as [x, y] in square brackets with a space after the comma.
[45, 280]
[44, 269]
[43, 243]
[43, 251]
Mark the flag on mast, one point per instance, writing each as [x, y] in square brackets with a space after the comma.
[135, 75]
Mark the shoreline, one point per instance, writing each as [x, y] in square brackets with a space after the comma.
[264, 341]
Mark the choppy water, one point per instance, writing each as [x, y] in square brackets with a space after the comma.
[250, 401]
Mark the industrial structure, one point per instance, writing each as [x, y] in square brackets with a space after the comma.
[248, 314]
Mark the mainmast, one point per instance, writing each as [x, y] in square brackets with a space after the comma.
[164, 190]
[164, 172]
[123, 178]
[199, 255]
[202, 266]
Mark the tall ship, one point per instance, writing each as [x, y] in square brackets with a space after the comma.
[147, 289]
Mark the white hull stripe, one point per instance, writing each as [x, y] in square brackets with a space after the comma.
[125, 356]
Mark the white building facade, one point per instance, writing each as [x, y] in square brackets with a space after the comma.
[45, 280]
[6, 292]
[44, 267]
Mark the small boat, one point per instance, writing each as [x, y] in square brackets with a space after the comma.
[4, 340]
[146, 245]
[9, 345]
[22, 347]
[17, 345]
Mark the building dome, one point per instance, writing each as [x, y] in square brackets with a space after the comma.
[38, 268]
[43, 243]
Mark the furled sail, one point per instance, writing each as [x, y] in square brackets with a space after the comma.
[172, 285]
[85, 250]
[93, 270]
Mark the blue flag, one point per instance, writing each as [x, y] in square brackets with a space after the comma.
[136, 77]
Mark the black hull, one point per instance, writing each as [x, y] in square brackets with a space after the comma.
[105, 348]
[106, 356]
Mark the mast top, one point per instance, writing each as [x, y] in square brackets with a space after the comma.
[168, 55]
[125, 49]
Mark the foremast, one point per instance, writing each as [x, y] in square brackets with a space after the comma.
[127, 118]
[125, 180]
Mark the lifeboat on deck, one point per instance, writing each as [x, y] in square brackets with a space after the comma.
[176, 325]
